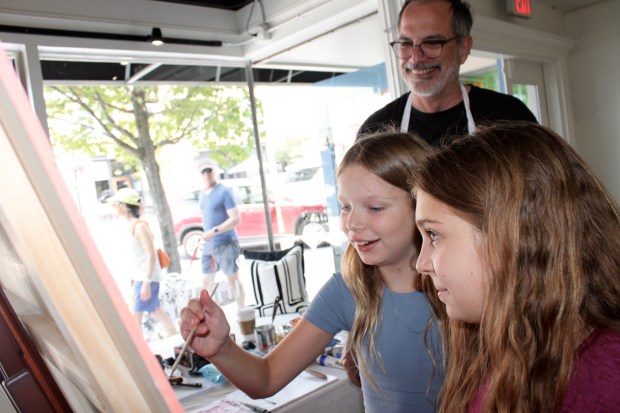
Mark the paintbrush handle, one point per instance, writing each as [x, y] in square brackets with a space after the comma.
[316, 374]
[188, 340]
[180, 355]
[275, 308]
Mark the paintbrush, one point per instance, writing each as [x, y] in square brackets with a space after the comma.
[187, 341]
[316, 374]
[275, 308]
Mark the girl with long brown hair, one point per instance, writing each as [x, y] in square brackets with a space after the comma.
[521, 242]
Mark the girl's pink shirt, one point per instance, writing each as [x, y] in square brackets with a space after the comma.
[595, 382]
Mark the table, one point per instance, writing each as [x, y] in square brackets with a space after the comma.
[305, 394]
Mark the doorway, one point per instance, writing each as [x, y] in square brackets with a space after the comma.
[525, 80]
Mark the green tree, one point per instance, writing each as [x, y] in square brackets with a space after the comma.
[131, 123]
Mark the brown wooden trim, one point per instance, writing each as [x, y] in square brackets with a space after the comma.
[34, 364]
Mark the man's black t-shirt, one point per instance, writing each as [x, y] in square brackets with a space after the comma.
[486, 106]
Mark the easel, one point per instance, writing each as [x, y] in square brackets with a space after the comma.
[58, 288]
[24, 375]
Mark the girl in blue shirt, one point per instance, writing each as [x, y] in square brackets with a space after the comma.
[378, 297]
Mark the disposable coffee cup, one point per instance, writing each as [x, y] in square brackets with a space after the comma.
[246, 318]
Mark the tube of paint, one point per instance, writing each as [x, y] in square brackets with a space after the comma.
[329, 361]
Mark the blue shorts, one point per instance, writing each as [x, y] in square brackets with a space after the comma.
[223, 258]
[151, 304]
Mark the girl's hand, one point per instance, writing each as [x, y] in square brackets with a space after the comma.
[212, 328]
[145, 291]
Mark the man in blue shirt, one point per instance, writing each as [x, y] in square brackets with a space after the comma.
[219, 219]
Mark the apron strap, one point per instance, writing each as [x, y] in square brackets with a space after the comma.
[404, 124]
[471, 126]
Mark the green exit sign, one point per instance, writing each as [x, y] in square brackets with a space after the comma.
[520, 8]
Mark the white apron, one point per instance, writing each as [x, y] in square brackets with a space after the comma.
[471, 126]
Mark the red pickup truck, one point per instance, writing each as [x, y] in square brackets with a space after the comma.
[288, 218]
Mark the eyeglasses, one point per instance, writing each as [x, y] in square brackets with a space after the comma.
[207, 170]
[431, 48]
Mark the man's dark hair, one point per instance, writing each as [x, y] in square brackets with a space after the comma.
[461, 13]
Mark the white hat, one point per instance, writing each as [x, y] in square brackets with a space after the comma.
[209, 164]
[127, 196]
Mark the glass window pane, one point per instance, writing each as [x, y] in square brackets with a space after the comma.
[99, 147]
[528, 94]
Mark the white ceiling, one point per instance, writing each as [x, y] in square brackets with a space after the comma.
[363, 36]
[357, 45]
[568, 5]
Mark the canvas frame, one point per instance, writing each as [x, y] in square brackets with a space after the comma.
[56, 280]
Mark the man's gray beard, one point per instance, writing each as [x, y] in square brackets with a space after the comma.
[425, 92]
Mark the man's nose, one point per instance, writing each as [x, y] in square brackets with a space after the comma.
[416, 54]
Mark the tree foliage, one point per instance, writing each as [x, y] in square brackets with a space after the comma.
[102, 120]
[132, 123]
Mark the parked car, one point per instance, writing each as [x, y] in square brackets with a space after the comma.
[305, 183]
[287, 218]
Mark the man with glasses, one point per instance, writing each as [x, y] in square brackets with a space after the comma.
[220, 216]
[434, 41]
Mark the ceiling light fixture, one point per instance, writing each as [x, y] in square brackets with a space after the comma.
[156, 38]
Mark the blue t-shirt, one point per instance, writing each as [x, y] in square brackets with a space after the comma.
[404, 384]
[214, 206]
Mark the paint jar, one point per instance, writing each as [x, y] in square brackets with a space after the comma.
[265, 337]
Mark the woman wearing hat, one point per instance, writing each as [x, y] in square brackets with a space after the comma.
[144, 264]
